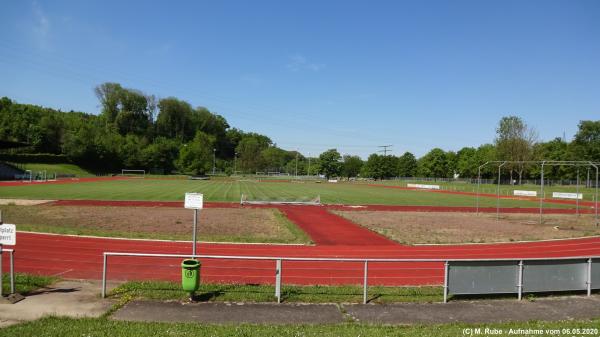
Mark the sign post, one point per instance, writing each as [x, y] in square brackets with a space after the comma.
[8, 236]
[194, 201]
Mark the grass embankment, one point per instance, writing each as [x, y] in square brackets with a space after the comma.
[59, 169]
[25, 283]
[231, 191]
[103, 327]
[154, 290]
[215, 224]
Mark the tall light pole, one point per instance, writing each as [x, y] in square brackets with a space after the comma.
[214, 160]
[296, 164]
[234, 162]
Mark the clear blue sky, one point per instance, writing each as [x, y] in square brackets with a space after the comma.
[314, 75]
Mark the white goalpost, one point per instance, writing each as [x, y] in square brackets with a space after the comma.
[133, 173]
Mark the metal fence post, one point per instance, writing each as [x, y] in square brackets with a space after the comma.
[12, 272]
[278, 280]
[589, 277]
[1, 285]
[104, 277]
[446, 281]
[577, 193]
[365, 284]
[520, 281]
[542, 193]
[498, 193]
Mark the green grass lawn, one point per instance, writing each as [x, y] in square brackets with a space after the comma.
[154, 290]
[100, 327]
[231, 190]
[51, 169]
[25, 283]
[588, 193]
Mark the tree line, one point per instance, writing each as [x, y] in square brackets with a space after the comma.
[138, 131]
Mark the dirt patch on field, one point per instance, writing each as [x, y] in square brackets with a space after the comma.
[418, 227]
[214, 224]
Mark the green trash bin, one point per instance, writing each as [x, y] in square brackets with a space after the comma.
[190, 275]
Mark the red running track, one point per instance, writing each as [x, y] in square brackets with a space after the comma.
[81, 257]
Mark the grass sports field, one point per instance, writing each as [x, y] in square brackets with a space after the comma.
[229, 190]
[588, 193]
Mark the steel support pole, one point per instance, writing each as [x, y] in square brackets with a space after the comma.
[194, 232]
[520, 281]
[104, 276]
[278, 280]
[596, 201]
[478, 186]
[446, 281]
[498, 193]
[365, 282]
[589, 277]
[542, 194]
[577, 193]
[1, 285]
[12, 271]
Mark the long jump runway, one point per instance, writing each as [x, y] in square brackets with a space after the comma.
[81, 257]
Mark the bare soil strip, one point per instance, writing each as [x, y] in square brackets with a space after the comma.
[214, 224]
[423, 228]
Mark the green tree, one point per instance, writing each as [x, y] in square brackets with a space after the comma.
[161, 154]
[175, 119]
[466, 162]
[586, 144]
[433, 164]
[407, 165]
[330, 163]
[514, 142]
[196, 157]
[249, 151]
[352, 166]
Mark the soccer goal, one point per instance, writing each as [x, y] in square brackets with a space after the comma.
[133, 173]
[245, 200]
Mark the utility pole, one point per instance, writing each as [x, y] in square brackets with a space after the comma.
[385, 149]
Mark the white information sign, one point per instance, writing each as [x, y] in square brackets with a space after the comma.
[425, 187]
[525, 193]
[8, 234]
[563, 195]
[194, 200]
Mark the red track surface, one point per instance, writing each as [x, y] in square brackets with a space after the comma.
[81, 257]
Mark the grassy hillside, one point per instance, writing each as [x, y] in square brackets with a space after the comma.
[51, 169]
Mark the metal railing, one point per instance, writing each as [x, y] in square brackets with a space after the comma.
[279, 267]
[11, 253]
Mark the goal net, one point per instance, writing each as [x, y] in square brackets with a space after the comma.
[245, 200]
[133, 173]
